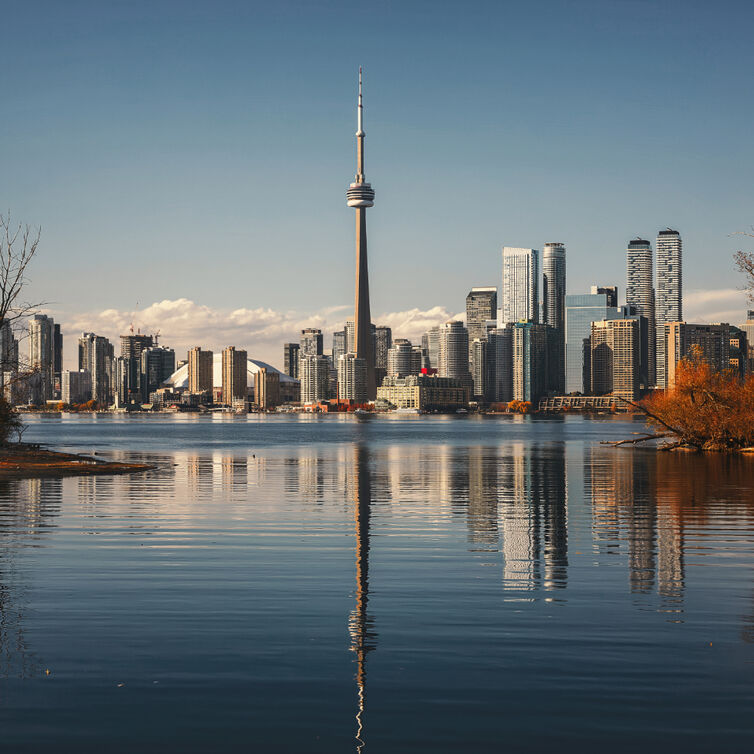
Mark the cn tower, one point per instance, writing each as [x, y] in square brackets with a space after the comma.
[360, 195]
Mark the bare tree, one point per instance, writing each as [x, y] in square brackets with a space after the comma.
[18, 245]
[745, 262]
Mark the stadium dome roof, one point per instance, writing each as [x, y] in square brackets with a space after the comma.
[179, 378]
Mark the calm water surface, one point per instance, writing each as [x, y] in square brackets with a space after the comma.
[330, 584]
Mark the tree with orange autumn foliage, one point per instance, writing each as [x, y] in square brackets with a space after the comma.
[705, 410]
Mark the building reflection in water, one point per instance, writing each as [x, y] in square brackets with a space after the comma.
[28, 509]
[360, 623]
[630, 499]
[534, 515]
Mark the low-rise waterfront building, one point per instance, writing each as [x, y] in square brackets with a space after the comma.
[423, 392]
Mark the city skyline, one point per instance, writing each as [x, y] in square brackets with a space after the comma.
[159, 164]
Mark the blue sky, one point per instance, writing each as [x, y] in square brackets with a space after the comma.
[200, 152]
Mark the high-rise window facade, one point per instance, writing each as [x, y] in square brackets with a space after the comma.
[481, 306]
[640, 292]
[553, 307]
[669, 303]
[520, 292]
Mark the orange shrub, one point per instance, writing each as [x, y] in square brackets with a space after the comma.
[708, 410]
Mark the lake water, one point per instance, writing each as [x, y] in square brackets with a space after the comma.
[388, 584]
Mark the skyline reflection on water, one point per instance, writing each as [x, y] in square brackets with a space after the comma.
[379, 594]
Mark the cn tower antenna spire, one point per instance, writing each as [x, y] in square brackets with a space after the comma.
[360, 137]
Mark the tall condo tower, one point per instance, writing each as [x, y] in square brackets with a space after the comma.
[360, 195]
[553, 302]
[520, 285]
[669, 307]
[640, 292]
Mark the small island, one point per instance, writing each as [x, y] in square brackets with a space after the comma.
[25, 460]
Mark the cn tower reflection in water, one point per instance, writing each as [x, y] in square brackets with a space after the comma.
[360, 624]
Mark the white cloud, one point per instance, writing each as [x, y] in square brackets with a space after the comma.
[183, 324]
[720, 305]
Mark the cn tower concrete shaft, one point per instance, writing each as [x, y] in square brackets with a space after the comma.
[360, 195]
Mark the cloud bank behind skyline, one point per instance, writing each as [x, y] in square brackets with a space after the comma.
[183, 323]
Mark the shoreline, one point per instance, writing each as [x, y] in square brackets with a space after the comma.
[25, 461]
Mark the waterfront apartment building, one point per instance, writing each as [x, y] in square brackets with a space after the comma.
[200, 370]
[424, 393]
[748, 328]
[553, 308]
[157, 364]
[352, 378]
[479, 368]
[453, 356]
[481, 306]
[75, 387]
[616, 358]
[131, 347]
[529, 363]
[669, 297]
[57, 359]
[640, 294]
[520, 291]
[266, 388]
[680, 339]
[97, 356]
[290, 359]
[382, 344]
[431, 345]
[8, 362]
[399, 359]
[41, 357]
[499, 357]
[738, 356]
[311, 342]
[338, 346]
[234, 377]
[315, 378]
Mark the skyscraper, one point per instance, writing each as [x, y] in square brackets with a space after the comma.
[481, 305]
[131, 347]
[96, 356]
[315, 378]
[478, 350]
[57, 359]
[500, 364]
[553, 306]
[640, 292]
[383, 342]
[290, 359]
[399, 358]
[712, 340]
[360, 195]
[200, 369]
[235, 376]
[529, 344]
[157, 364]
[432, 346]
[520, 292]
[311, 342]
[615, 361]
[581, 311]
[41, 357]
[669, 304]
[611, 291]
[453, 357]
[352, 378]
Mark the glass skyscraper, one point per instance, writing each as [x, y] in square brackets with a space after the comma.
[581, 311]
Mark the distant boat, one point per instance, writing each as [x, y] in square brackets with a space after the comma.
[361, 412]
[407, 411]
[461, 411]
